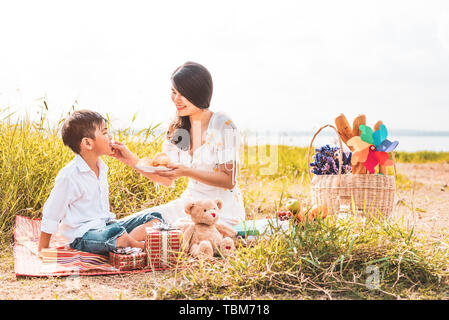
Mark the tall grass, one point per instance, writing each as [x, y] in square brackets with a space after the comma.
[329, 258]
[32, 153]
[30, 157]
[422, 156]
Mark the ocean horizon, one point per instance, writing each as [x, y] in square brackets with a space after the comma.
[409, 140]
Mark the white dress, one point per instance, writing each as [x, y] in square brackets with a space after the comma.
[221, 146]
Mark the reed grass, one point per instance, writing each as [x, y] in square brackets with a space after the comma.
[328, 258]
[422, 156]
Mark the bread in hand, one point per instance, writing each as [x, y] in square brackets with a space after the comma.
[160, 159]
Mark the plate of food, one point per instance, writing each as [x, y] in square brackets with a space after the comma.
[157, 163]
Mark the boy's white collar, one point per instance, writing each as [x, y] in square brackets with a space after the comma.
[84, 167]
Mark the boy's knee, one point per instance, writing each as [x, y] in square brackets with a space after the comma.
[151, 222]
[154, 216]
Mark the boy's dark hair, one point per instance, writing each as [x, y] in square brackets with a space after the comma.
[80, 124]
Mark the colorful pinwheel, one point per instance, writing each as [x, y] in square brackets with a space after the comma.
[372, 148]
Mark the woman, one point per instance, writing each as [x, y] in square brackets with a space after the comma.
[202, 145]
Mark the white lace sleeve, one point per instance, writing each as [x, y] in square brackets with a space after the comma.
[227, 145]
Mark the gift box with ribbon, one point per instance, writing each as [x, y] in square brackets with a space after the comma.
[162, 246]
[128, 258]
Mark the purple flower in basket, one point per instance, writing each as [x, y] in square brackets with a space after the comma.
[326, 161]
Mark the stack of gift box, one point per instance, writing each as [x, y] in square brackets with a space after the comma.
[128, 258]
[162, 248]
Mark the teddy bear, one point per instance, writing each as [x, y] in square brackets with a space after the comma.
[205, 237]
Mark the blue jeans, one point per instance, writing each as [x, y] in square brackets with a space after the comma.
[103, 240]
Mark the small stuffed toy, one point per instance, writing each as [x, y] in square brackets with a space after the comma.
[205, 237]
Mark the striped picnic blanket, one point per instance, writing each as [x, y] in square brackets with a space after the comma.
[57, 260]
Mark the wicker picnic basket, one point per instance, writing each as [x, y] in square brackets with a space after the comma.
[366, 193]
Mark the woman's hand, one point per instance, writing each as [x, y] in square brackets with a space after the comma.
[221, 177]
[123, 154]
[179, 170]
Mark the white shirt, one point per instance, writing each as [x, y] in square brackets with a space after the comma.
[79, 201]
[221, 146]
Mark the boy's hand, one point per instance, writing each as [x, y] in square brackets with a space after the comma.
[123, 154]
[41, 253]
[44, 242]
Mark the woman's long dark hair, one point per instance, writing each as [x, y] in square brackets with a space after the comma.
[194, 82]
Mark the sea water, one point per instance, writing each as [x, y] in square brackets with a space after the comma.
[406, 143]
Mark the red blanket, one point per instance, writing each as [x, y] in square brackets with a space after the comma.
[55, 261]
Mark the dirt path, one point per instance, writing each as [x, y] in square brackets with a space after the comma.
[426, 203]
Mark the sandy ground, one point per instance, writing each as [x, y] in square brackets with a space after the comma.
[425, 205]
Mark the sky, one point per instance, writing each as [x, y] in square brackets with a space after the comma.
[276, 65]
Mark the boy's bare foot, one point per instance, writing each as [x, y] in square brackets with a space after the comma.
[125, 240]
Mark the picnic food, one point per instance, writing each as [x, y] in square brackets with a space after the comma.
[160, 159]
[293, 205]
[284, 215]
[205, 237]
[363, 191]
[312, 214]
[343, 127]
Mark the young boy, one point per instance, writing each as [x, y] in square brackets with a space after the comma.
[78, 205]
